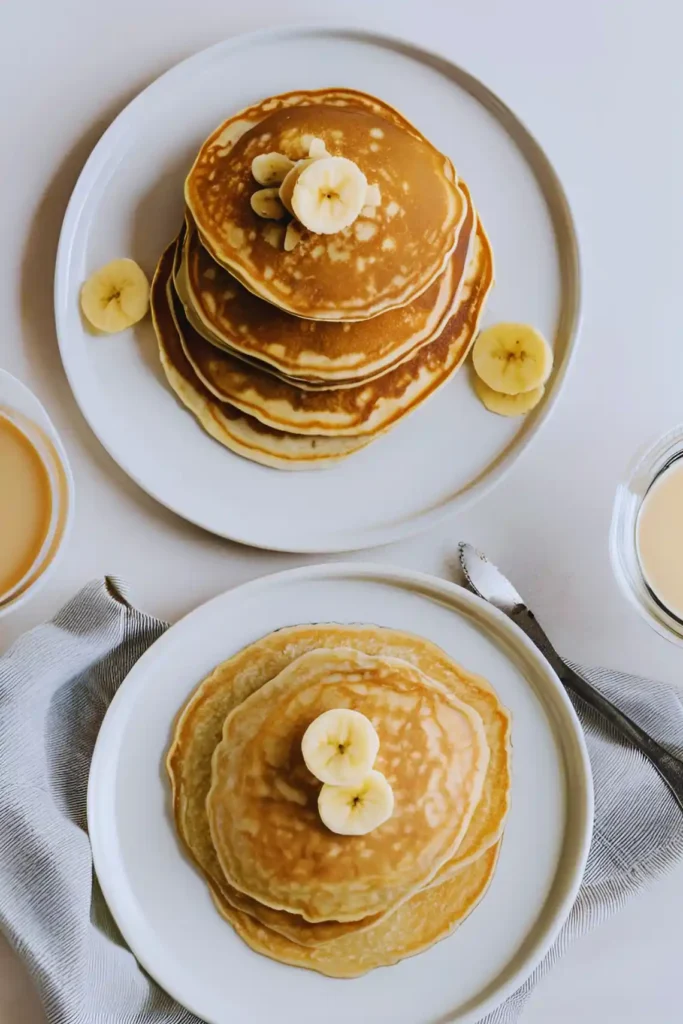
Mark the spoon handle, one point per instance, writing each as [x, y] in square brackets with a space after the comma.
[669, 767]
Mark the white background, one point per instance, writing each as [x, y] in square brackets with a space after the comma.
[600, 82]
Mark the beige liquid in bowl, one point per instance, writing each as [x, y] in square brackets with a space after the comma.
[25, 505]
[659, 539]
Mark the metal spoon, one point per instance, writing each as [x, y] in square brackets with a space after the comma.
[488, 581]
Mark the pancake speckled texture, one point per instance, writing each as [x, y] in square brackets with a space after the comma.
[199, 730]
[231, 427]
[426, 918]
[360, 412]
[319, 353]
[262, 806]
[384, 260]
[272, 383]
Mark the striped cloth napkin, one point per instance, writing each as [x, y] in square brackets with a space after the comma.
[56, 683]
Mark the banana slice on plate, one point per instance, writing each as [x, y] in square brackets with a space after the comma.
[329, 194]
[340, 746]
[512, 358]
[271, 168]
[508, 405]
[116, 296]
[357, 810]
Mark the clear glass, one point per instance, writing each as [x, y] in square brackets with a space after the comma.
[642, 473]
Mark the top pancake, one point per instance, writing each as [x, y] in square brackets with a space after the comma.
[262, 806]
[388, 257]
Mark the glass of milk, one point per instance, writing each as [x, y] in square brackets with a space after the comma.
[646, 537]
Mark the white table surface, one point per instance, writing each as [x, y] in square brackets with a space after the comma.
[601, 85]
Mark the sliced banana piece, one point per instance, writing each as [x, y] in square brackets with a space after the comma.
[292, 236]
[508, 405]
[287, 186]
[317, 149]
[271, 168]
[359, 809]
[340, 746]
[512, 358]
[329, 194]
[373, 196]
[266, 203]
[115, 296]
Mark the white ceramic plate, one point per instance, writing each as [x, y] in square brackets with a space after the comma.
[128, 202]
[163, 908]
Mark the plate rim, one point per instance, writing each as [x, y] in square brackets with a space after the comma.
[476, 488]
[429, 585]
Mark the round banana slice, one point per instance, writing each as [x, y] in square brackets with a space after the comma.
[340, 746]
[271, 168]
[116, 296]
[266, 203]
[356, 810]
[508, 405]
[512, 358]
[329, 194]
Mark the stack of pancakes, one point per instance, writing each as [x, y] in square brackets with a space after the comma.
[296, 357]
[245, 805]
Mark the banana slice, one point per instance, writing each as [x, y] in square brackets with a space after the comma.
[373, 196]
[271, 168]
[508, 405]
[340, 747]
[266, 203]
[317, 149]
[115, 296]
[512, 358]
[292, 235]
[356, 810]
[329, 194]
[287, 186]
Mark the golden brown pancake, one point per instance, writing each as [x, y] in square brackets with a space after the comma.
[426, 918]
[263, 803]
[384, 260]
[199, 729]
[241, 433]
[361, 411]
[323, 353]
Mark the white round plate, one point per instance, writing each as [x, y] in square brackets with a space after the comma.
[129, 202]
[162, 906]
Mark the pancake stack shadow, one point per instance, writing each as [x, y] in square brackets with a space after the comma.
[296, 348]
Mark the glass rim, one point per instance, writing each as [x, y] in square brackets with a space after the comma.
[647, 466]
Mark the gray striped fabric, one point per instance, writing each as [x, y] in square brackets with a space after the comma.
[55, 685]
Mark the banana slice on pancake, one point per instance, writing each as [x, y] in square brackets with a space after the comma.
[357, 810]
[271, 168]
[266, 203]
[340, 747]
[329, 194]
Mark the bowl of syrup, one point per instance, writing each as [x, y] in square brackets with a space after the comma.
[36, 494]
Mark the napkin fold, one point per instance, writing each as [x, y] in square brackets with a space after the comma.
[56, 683]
